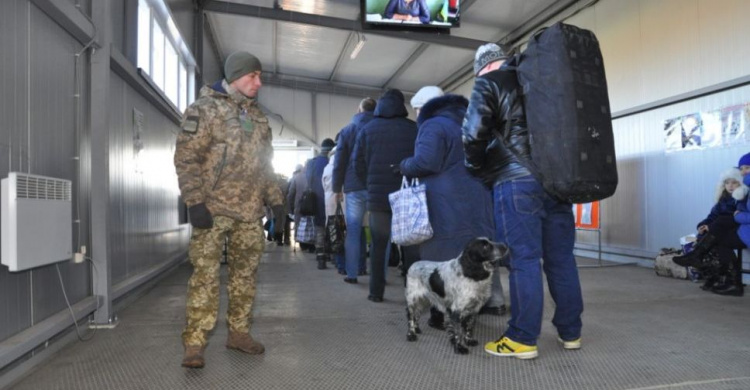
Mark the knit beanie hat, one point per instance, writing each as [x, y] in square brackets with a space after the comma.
[239, 64]
[327, 145]
[489, 52]
[393, 94]
[424, 95]
[744, 160]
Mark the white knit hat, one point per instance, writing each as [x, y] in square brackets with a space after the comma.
[424, 95]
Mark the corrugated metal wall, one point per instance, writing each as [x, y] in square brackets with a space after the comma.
[653, 50]
[38, 135]
[143, 186]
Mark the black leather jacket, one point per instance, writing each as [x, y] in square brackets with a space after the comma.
[490, 152]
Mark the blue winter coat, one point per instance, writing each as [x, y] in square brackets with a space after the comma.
[386, 140]
[743, 217]
[725, 206]
[459, 205]
[314, 174]
[344, 175]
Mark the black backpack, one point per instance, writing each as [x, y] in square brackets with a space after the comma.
[560, 77]
[308, 203]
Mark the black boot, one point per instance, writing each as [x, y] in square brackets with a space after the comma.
[733, 285]
[697, 256]
[321, 257]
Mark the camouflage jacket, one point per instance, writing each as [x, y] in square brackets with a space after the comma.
[223, 155]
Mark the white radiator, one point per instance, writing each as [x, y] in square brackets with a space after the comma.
[36, 218]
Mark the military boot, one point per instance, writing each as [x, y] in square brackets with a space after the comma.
[193, 356]
[245, 343]
[697, 258]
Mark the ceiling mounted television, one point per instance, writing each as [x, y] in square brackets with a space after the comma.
[411, 14]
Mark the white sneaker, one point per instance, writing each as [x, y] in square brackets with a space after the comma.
[572, 344]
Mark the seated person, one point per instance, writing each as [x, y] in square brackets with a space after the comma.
[407, 10]
[730, 186]
[723, 236]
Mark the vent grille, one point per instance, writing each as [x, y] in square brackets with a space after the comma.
[35, 187]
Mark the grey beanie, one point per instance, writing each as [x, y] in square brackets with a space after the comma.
[239, 64]
[489, 52]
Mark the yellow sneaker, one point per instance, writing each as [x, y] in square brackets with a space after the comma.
[507, 347]
[570, 344]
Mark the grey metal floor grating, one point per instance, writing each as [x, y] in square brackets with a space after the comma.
[640, 332]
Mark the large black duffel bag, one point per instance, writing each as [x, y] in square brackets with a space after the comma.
[561, 80]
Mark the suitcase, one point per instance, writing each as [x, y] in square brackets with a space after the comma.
[564, 90]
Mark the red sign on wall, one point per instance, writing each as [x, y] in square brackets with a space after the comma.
[587, 215]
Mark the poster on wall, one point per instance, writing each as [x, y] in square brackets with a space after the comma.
[724, 127]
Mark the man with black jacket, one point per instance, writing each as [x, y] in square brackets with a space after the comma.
[381, 145]
[532, 223]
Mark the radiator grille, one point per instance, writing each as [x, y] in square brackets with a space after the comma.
[35, 187]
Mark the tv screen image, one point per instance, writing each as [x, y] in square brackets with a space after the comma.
[412, 13]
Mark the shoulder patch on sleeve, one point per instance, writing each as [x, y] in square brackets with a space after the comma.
[191, 124]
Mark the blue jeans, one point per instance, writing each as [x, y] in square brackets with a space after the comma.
[354, 246]
[536, 226]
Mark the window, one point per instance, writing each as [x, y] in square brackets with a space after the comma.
[163, 55]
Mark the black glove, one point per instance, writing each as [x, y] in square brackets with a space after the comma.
[396, 169]
[200, 217]
[278, 215]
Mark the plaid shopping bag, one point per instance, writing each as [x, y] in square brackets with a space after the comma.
[306, 230]
[411, 223]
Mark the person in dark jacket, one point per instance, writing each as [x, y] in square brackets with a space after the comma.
[314, 173]
[530, 221]
[728, 194]
[723, 236]
[297, 185]
[346, 181]
[459, 205]
[381, 145]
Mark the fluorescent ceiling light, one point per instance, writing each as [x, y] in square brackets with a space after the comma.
[360, 43]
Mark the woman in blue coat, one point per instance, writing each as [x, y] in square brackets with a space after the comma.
[459, 205]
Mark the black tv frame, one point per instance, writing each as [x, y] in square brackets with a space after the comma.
[446, 30]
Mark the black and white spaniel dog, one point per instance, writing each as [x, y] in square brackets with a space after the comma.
[458, 287]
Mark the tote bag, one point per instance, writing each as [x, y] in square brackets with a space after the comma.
[336, 231]
[306, 230]
[411, 222]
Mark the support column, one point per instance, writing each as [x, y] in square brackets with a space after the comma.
[99, 121]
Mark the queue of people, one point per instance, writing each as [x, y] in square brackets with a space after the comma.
[470, 156]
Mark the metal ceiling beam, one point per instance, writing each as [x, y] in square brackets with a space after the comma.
[422, 47]
[337, 23]
[466, 72]
[214, 42]
[341, 57]
[465, 5]
[323, 86]
[275, 46]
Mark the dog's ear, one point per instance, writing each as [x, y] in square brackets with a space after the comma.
[472, 259]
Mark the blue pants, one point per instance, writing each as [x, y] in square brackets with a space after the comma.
[355, 245]
[536, 226]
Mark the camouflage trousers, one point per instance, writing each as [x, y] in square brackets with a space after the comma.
[245, 247]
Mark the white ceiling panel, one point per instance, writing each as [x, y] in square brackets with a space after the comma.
[379, 58]
[308, 51]
[347, 9]
[242, 33]
[434, 65]
[500, 16]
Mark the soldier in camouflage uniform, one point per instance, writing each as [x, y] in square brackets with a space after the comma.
[223, 162]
